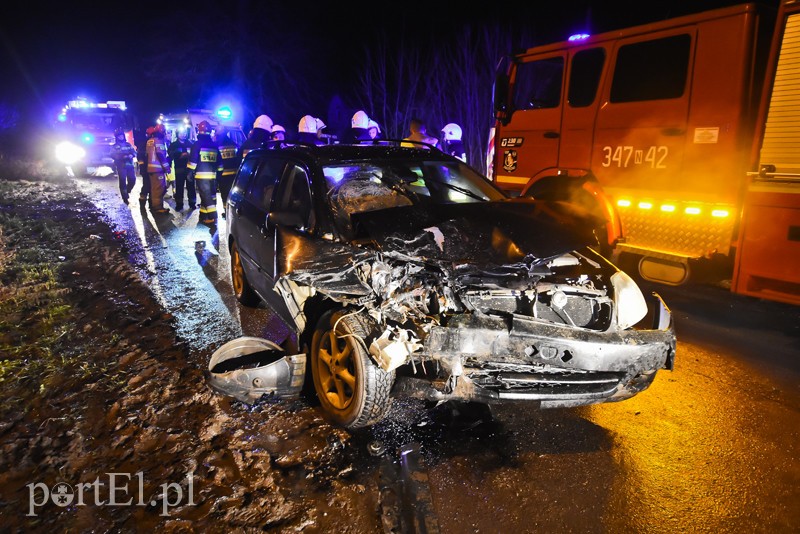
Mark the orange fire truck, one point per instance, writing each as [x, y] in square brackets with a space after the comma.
[684, 134]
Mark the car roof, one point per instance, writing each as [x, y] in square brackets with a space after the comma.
[332, 154]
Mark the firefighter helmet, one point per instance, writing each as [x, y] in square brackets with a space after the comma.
[373, 124]
[160, 129]
[263, 122]
[452, 132]
[309, 124]
[278, 128]
[360, 120]
[203, 127]
[149, 131]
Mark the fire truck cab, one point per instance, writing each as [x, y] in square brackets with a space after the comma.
[658, 126]
[84, 132]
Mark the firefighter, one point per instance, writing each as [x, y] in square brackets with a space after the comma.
[278, 133]
[259, 136]
[451, 141]
[373, 129]
[230, 162]
[124, 154]
[359, 127]
[141, 155]
[419, 132]
[179, 154]
[158, 166]
[205, 162]
[309, 130]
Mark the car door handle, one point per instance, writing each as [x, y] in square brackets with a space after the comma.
[237, 210]
[551, 135]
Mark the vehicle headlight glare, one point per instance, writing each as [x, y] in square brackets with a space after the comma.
[68, 153]
[631, 306]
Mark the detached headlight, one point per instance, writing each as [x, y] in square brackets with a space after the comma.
[631, 306]
[68, 153]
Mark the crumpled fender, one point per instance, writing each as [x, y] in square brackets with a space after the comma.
[249, 367]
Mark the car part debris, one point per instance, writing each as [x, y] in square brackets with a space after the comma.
[249, 367]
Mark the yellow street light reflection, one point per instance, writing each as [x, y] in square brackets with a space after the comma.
[645, 205]
[623, 203]
[719, 213]
[668, 208]
[692, 211]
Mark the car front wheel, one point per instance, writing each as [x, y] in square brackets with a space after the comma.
[353, 391]
[241, 287]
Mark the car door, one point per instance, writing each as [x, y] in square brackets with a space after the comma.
[292, 196]
[256, 242]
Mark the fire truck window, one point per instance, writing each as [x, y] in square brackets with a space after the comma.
[584, 77]
[538, 84]
[651, 70]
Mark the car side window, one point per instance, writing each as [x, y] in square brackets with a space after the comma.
[294, 194]
[244, 177]
[262, 187]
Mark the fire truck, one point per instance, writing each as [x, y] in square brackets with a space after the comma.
[683, 134]
[84, 133]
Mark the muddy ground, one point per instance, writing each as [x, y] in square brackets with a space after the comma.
[94, 381]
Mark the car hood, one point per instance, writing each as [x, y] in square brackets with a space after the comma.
[482, 233]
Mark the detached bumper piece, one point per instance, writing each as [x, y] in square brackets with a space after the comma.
[249, 367]
[492, 358]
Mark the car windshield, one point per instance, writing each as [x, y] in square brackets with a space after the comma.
[375, 185]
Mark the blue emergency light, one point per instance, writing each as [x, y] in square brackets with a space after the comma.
[578, 37]
[224, 113]
[87, 138]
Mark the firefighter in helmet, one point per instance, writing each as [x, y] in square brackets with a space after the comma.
[309, 130]
[158, 166]
[451, 141]
[278, 133]
[259, 136]
[179, 154]
[359, 127]
[141, 155]
[124, 156]
[230, 162]
[205, 162]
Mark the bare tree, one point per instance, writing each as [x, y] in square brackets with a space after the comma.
[439, 80]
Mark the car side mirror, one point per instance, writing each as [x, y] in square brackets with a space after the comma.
[287, 218]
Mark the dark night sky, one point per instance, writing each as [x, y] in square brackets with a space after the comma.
[52, 52]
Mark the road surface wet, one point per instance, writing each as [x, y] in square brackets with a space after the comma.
[712, 446]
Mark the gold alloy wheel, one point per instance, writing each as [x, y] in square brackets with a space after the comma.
[238, 272]
[336, 369]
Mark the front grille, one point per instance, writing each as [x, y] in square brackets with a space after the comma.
[545, 381]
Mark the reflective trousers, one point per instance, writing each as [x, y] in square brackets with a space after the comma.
[207, 188]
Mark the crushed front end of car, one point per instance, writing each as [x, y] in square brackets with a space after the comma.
[491, 301]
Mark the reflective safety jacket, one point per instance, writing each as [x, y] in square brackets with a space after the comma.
[123, 154]
[157, 157]
[230, 157]
[204, 158]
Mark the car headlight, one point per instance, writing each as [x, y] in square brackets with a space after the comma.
[631, 306]
[68, 153]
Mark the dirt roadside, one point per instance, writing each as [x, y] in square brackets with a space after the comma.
[94, 381]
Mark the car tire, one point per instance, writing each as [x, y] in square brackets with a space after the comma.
[241, 287]
[353, 391]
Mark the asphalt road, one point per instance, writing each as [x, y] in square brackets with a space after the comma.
[713, 446]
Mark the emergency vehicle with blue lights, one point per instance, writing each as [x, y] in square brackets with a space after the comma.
[682, 133]
[84, 133]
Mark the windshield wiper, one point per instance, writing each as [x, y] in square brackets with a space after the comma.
[459, 189]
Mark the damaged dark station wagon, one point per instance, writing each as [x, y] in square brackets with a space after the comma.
[403, 271]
